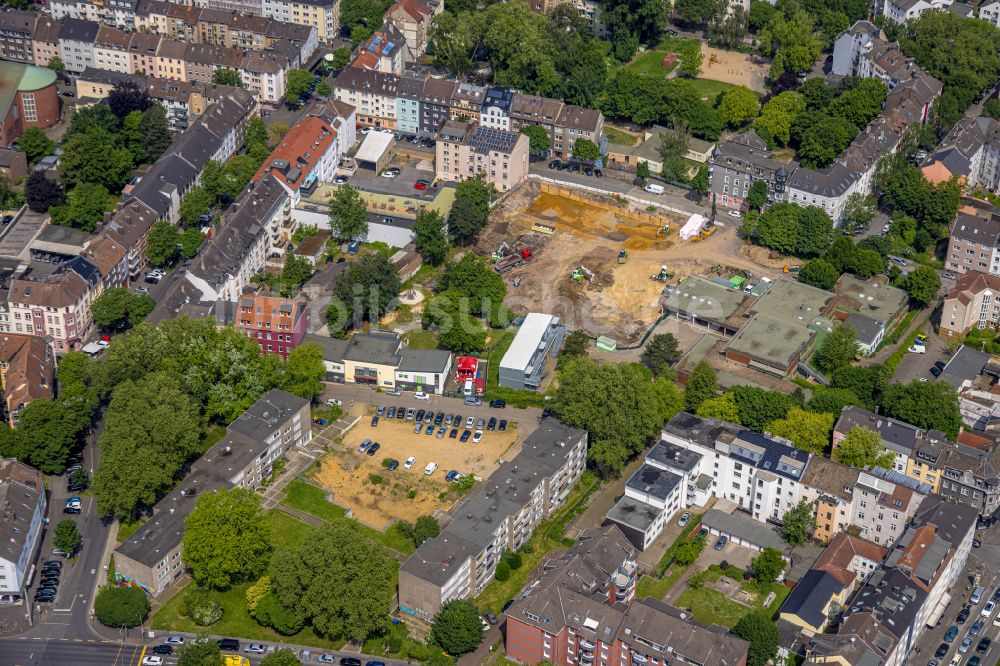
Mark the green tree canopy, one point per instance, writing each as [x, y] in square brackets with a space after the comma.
[819, 273]
[304, 372]
[67, 536]
[585, 149]
[456, 627]
[364, 292]
[837, 350]
[927, 405]
[228, 76]
[319, 578]
[281, 657]
[120, 606]
[833, 400]
[767, 566]
[95, 156]
[660, 353]
[759, 407]
[42, 193]
[798, 523]
[348, 214]
[808, 431]
[430, 237]
[296, 84]
[760, 631]
[723, 407]
[922, 285]
[862, 448]
[35, 144]
[84, 208]
[701, 385]
[226, 538]
[117, 309]
[757, 195]
[539, 142]
[738, 106]
[200, 652]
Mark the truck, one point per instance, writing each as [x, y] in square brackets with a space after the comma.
[512, 261]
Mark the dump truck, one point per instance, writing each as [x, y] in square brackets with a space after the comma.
[513, 260]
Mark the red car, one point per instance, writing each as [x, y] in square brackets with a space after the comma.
[420, 185]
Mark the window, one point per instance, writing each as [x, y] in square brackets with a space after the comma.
[28, 102]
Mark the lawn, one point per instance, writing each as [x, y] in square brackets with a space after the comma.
[548, 536]
[709, 88]
[422, 340]
[711, 607]
[619, 137]
[651, 62]
[312, 500]
[236, 621]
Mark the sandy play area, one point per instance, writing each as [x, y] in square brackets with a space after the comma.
[622, 302]
[732, 67]
[345, 472]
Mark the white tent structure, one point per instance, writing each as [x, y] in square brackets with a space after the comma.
[693, 226]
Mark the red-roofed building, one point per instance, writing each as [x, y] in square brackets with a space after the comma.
[974, 440]
[850, 559]
[470, 369]
[278, 324]
[971, 303]
[413, 19]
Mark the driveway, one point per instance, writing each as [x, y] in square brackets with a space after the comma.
[916, 366]
[733, 554]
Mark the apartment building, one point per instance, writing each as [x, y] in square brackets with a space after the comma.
[435, 103]
[738, 163]
[27, 373]
[969, 152]
[522, 492]
[413, 19]
[382, 52]
[277, 324]
[118, 13]
[323, 15]
[307, 155]
[897, 437]
[972, 302]
[974, 241]
[408, 93]
[22, 497]
[152, 558]
[901, 11]
[17, 28]
[372, 94]
[45, 40]
[464, 150]
[908, 593]
[539, 337]
[582, 609]
[76, 43]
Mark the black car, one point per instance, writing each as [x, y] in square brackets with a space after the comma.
[71, 510]
[466, 434]
[503, 425]
[373, 448]
[44, 598]
[941, 651]
[49, 571]
[229, 644]
[456, 420]
[391, 414]
[936, 371]
[393, 465]
[598, 173]
[349, 661]
[429, 417]
[976, 543]
[984, 645]
[420, 415]
[53, 563]
[996, 595]
[554, 164]
[507, 605]
[498, 404]
[453, 434]
[492, 423]
[163, 649]
[963, 615]
[439, 418]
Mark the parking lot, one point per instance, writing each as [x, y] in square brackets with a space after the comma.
[917, 366]
[407, 493]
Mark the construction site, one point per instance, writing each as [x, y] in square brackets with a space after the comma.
[597, 262]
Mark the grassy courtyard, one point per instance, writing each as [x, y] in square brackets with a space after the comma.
[651, 62]
[710, 606]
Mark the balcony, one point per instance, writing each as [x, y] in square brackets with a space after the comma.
[586, 645]
[586, 658]
[639, 657]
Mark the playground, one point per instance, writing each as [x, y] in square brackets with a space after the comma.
[733, 67]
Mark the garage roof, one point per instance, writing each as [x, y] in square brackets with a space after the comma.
[374, 146]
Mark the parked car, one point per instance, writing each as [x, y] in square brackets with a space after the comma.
[963, 615]
[503, 425]
[392, 465]
[685, 517]
[498, 404]
[941, 651]
[441, 432]
[428, 417]
[466, 434]
[721, 543]
[340, 180]
[420, 395]
[988, 609]
[478, 436]
[951, 634]
[174, 640]
[452, 475]
[375, 421]
[490, 617]
[453, 434]
[431, 468]
[391, 413]
[349, 661]
[430, 429]
[473, 402]
[254, 648]
[554, 164]
[394, 392]
[976, 628]
[364, 446]
[152, 660]
[410, 413]
[966, 644]
[984, 644]
[409, 462]
[470, 422]
[374, 448]
[492, 423]
[420, 415]
[917, 349]
[417, 428]
[439, 418]
[163, 649]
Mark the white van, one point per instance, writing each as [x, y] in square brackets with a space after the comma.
[653, 188]
[917, 349]
[467, 389]
[431, 468]
[977, 594]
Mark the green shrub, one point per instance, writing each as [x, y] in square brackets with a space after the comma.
[121, 606]
[375, 479]
[271, 613]
[202, 607]
[411, 493]
[503, 572]
[513, 560]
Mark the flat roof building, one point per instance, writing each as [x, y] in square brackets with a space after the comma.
[523, 366]
[707, 304]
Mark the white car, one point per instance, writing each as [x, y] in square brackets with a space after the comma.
[409, 462]
[988, 609]
[389, 174]
[735, 213]
[330, 402]
[420, 395]
[152, 660]
[174, 640]
[254, 648]
[470, 422]
[478, 435]
[685, 517]
[486, 625]
[431, 468]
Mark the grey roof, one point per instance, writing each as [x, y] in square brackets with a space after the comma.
[704, 299]
[892, 599]
[953, 521]
[171, 175]
[771, 340]
[438, 559]
[634, 513]
[964, 366]
[672, 456]
[743, 527]
[896, 435]
[424, 360]
[701, 430]
[810, 598]
[334, 349]
[498, 97]
[244, 442]
[653, 481]
[377, 347]
[78, 30]
[488, 139]
[865, 328]
[21, 489]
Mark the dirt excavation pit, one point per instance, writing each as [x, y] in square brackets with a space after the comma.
[620, 300]
[346, 472]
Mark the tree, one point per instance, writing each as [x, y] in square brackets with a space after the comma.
[348, 214]
[35, 144]
[464, 220]
[42, 193]
[757, 195]
[837, 350]
[661, 352]
[226, 538]
[815, 231]
[642, 169]
[119, 607]
[296, 84]
[304, 372]
[294, 274]
[284, 620]
[700, 386]
[687, 553]
[634, 408]
[200, 652]
[127, 96]
[84, 208]
[760, 631]
[319, 578]
[538, 139]
[833, 400]
[281, 657]
[585, 149]
[767, 566]
[922, 285]
[67, 536]
[862, 448]
[430, 237]
[323, 89]
[95, 156]
[759, 407]
[778, 228]
[502, 573]
[457, 627]
[150, 419]
[56, 64]
[700, 181]
[117, 309]
[195, 203]
[161, 244]
[228, 76]
[868, 383]
[798, 524]
[808, 431]
[575, 345]
[155, 132]
[364, 292]
[859, 211]
[778, 114]
[825, 139]
[927, 405]
[47, 431]
[738, 106]
[425, 528]
[819, 273]
[723, 407]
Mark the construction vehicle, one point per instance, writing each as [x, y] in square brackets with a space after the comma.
[665, 230]
[502, 251]
[513, 260]
[622, 256]
[708, 231]
[663, 275]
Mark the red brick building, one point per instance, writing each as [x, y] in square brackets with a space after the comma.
[583, 611]
[278, 324]
[28, 98]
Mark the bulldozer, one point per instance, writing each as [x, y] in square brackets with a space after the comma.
[663, 275]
